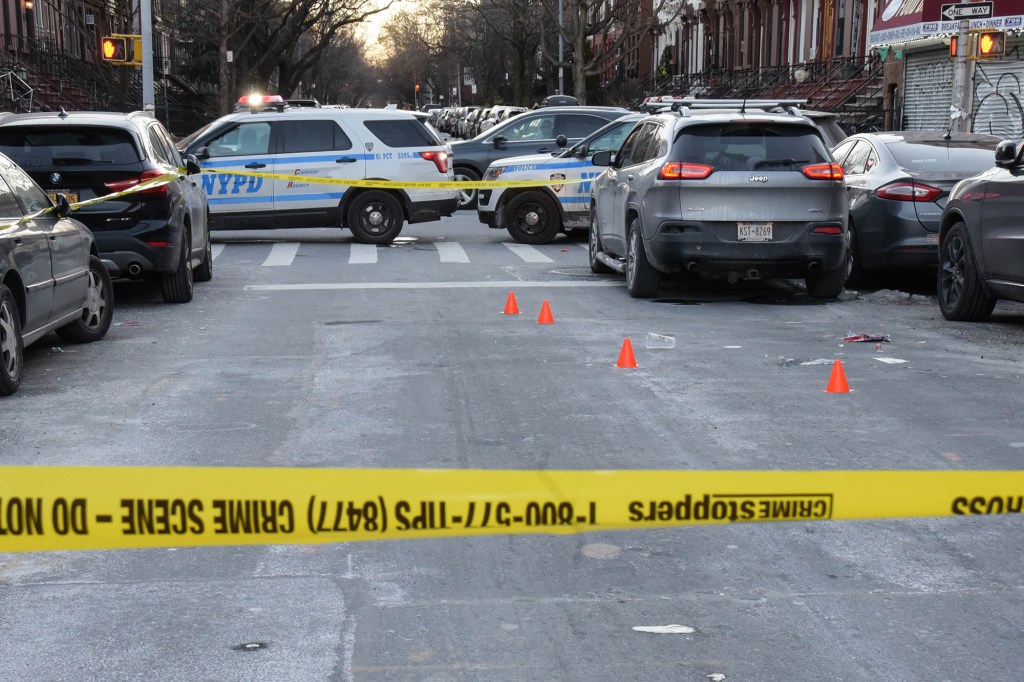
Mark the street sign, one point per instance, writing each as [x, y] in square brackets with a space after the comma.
[971, 10]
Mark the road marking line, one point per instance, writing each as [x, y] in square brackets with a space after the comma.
[362, 254]
[216, 250]
[451, 252]
[281, 254]
[528, 253]
[508, 284]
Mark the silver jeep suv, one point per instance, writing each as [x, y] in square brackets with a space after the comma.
[722, 189]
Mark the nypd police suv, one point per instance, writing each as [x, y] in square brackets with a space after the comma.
[241, 154]
[535, 215]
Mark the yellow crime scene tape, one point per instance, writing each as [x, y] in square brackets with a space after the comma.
[71, 508]
[392, 184]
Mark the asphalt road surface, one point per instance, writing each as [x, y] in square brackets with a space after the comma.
[400, 357]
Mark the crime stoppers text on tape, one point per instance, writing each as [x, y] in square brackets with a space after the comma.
[63, 508]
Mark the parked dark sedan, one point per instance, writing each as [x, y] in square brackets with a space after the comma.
[981, 257]
[898, 183]
[159, 232]
[51, 277]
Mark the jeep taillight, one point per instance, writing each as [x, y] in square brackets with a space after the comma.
[122, 185]
[908, 191]
[440, 160]
[824, 171]
[684, 171]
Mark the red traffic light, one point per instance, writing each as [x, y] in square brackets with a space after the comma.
[114, 49]
[952, 46]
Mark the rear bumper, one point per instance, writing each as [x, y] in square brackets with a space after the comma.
[698, 249]
[151, 246]
[423, 211]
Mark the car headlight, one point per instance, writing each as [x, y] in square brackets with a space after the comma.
[494, 173]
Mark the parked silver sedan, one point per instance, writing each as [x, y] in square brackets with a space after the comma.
[51, 277]
[898, 183]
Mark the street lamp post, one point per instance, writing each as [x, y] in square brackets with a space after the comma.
[30, 20]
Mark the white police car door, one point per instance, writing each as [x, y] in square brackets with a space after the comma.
[240, 198]
[314, 147]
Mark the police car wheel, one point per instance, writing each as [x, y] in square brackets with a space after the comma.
[375, 218]
[532, 218]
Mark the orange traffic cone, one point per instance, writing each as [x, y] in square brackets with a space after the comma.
[510, 305]
[545, 314]
[626, 357]
[837, 382]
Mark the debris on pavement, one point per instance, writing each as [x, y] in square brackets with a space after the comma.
[665, 629]
[864, 338]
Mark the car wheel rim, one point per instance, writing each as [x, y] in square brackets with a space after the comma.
[953, 271]
[95, 301]
[593, 241]
[376, 218]
[531, 219]
[631, 258]
[465, 195]
[8, 340]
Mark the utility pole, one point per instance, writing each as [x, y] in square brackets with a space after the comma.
[561, 52]
[956, 109]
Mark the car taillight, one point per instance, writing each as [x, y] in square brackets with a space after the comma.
[824, 171]
[122, 185]
[440, 160]
[684, 171]
[908, 191]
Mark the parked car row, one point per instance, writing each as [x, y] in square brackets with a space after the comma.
[745, 190]
[469, 121]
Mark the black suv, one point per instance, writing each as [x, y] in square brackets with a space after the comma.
[160, 231]
[529, 133]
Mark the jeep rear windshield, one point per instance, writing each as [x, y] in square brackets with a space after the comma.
[750, 146]
[402, 133]
[43, 147]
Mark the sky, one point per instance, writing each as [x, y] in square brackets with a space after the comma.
[371, 28]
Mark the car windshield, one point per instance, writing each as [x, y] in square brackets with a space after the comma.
[965, 156]
[750, 146]
[608, 138]
[44, 146]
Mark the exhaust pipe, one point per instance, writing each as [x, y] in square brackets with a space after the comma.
[134, 269]
[813, 266]
[692, 266]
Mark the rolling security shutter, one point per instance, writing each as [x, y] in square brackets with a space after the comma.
[928, 90]
[998, 98]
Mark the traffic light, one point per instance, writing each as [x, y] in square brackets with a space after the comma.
[991, 44]
[114, 49]
[417, 87]
[952, 46]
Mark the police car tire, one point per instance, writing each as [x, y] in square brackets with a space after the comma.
[391, 212]
[467, 197]
[177, 286]
[548, 227]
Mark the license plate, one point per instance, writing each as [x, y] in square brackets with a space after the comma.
[754, 232]
[72, 196]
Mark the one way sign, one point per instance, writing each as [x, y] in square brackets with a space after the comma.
[972, 10]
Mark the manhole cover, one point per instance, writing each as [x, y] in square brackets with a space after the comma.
[573, 272]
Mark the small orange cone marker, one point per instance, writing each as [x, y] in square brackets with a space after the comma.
[545, 314]
[837, 382]
[626, 357]
[510, 305]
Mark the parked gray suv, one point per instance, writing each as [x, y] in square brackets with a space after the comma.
[733, 193]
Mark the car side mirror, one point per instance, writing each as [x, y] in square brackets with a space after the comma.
[561, 141]
[1006, 154]
[63, 206]
[202, 153]
[602, 158]
[192, 166]
[499, 142]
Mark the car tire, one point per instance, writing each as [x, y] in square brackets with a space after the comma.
[467, 197]
[204, 273]
[860, 277]
[961, 295]
[375, 218]
[532, 218]
[94, 322]
[829, 285]
[177, 286]
[642, 279]
[597, 266]
[12, 346]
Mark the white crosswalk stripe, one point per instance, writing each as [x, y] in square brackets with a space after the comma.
[451, 252]
[281, 254]
[528, 253]
[362, 253]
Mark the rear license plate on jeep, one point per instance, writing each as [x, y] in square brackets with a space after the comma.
[754, 232]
